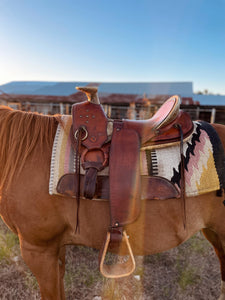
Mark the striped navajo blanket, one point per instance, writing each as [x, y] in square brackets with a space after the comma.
[204, 160]
[63, 155]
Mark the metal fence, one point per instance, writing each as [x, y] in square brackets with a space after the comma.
[138, 112]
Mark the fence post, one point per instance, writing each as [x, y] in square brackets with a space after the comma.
[213, 115]
[61, 108]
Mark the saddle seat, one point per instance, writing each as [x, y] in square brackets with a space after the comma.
[161, 128]
[101, 142]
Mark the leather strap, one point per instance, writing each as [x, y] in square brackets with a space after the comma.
[124, 176]
[77, 173]
[90, 182]
[182, 171]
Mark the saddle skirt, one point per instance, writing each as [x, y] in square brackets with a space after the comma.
[202, 152]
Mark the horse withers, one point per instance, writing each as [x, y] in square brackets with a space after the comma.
[45, 223]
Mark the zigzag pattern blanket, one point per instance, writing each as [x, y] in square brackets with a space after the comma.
[204, 161]
[203, 151]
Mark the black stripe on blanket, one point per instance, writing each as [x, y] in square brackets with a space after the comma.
[218, 151]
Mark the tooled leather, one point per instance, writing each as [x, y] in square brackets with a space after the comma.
[93, 118]
[124, 176]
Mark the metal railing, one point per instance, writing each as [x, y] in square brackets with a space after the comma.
[138, 112]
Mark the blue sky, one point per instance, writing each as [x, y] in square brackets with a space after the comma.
[119, 40]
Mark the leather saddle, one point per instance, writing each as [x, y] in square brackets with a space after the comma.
[100, 142]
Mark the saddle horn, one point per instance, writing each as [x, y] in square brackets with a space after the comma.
[91, 92]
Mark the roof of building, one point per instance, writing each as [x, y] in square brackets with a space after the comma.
[184, 89]
[78, 97]
[148, 89]
[217, 100]
[41, 88]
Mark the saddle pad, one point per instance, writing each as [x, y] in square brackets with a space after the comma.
[63, 156]
[204, 161]
[203, 151]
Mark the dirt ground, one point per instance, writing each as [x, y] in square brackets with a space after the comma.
[190, 271]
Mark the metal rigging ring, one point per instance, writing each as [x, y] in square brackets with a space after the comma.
[85, 131]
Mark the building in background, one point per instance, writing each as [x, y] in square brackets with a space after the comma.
[120, 100]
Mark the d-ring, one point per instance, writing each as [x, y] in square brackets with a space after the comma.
[84, 129]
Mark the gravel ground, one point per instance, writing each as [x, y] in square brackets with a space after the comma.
[190, 271]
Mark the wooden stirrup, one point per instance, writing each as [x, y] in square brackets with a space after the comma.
[117, 270]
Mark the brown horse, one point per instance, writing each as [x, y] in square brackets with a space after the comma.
[46, 224]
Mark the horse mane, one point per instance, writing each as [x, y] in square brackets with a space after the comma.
[20, 132]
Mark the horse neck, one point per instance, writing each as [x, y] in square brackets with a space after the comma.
[20, 134]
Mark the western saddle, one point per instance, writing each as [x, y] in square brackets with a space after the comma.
[101, 142]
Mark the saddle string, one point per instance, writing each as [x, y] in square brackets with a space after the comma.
[78, 138]
[182, 171]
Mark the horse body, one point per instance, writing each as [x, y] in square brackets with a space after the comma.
[45, 224]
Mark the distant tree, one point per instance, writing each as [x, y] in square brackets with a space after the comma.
[206, 92]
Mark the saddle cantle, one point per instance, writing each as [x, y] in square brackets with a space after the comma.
[161, 128]
[99, 143]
